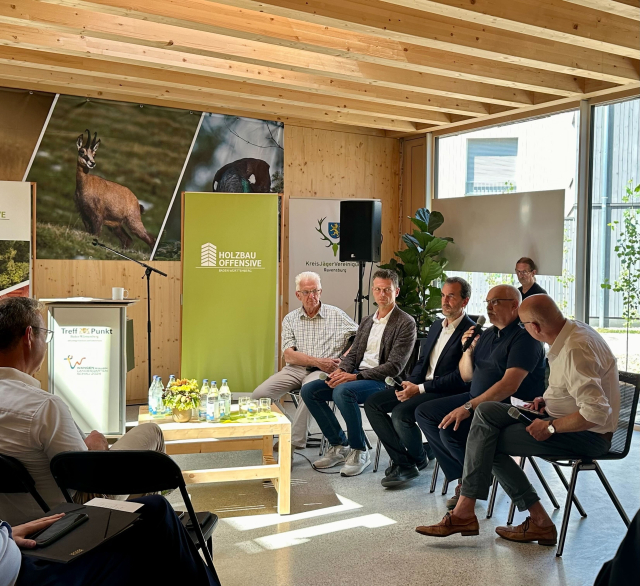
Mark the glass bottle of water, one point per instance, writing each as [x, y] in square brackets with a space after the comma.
[153, 397]
[225, 395]
[172, 380]
[204, 395]
[213, 404]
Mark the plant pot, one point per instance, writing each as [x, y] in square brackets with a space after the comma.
[180, 416]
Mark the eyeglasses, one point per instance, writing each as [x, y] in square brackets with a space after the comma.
[524, 323]
[312, 292]
[386, 290]
[522, 273]
[48, 335]
[494, 302]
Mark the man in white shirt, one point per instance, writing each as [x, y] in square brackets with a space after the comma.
[313, 336]
[382, 347]
[36, 425]
[581, 407]
[436, 374]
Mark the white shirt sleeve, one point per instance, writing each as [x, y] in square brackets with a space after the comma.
[585, 386]
[421, 388]
[56, 430]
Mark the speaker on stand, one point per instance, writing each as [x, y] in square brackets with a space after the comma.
[360, 238]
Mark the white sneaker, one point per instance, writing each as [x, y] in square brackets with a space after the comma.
[335, 455]
[357, 461]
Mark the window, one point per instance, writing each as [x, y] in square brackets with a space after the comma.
[491, 165]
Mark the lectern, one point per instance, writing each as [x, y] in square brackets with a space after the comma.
[87, 360]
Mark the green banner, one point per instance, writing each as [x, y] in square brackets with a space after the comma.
[229, 284]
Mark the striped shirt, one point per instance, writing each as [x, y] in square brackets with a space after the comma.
[323, 336]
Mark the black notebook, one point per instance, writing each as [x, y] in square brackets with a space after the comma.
[103, 524]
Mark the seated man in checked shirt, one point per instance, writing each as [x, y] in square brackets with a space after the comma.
[312, 338]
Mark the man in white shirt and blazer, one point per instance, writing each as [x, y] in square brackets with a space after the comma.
[581, 407]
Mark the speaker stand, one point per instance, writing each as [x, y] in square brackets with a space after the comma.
[360, 297]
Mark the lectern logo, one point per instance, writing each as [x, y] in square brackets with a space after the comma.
[69, 359]
[208, 255]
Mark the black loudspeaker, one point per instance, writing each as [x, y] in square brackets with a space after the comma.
[360, 230]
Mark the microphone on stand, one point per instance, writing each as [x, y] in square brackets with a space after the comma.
[476, 330]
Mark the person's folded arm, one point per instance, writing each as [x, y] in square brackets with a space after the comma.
[348, 362]
[401, 349]
[504, 388]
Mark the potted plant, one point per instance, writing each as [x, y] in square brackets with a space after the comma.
[182, 397]
[421, 264]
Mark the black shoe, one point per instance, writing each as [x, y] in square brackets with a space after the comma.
[428, 450]
[390, 468]
[422, 465]
[400, 476]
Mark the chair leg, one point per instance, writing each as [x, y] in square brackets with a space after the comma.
[576, 502]
[512, 507]
[567, 506]
[612, 495]
[445, 485]
[377, 460]
[492, 497]
[210, 545]
[295, 399]
[366, 441]
[434, 476]
[543, 481]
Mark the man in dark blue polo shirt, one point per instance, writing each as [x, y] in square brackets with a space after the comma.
[502, 362]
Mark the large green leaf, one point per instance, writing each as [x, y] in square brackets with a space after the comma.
[436, 246]
[436, 219]
[424, 227]
[431, 270]
[410, 241]
[408, 256]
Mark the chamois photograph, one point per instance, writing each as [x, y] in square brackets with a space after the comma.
[107, 170]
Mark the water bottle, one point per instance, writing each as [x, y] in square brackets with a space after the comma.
[172, 380]
[204, 395]
[213, 405]
[225, 395]
[153, 398]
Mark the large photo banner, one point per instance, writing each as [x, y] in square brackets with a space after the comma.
[229, 288]
[314, 245]
[15, 238]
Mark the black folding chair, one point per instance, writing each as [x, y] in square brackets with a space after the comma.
[121, 472]
[14, 478]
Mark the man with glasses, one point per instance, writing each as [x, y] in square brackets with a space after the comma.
[526, 271]
[578, 414]
[36, 425]
[436, 374]
[382, 348]
[502, 362]
[313, 336]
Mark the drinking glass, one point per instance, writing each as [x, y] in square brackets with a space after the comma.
[252, 409]
[242, 406]
[265, 408]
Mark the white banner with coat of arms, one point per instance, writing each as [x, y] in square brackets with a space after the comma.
[314, 245]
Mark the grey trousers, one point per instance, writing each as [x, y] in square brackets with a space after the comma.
[495, 436]
[290, 378]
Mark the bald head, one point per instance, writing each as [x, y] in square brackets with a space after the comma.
[502, 305]
[542, 317]
[505, 292]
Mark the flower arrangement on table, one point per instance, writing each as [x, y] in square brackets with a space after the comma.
[182, 397]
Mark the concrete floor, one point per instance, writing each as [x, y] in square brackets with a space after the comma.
[370, 540]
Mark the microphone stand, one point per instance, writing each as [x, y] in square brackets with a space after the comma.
[147, 274]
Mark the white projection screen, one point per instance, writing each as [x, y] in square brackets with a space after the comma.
[491, 232]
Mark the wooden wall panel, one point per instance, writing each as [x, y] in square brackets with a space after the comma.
[414, 180]
[75, 278]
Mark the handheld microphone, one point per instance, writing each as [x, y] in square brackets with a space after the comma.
[394, 381]
[323, 376]
[476, 330]
[515, 413]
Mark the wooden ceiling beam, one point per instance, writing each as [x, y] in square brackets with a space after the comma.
[202, 15]
[623, 8]
[63, 19]
[554, 20]
[204, 84]
[101, 87]
[118, 52]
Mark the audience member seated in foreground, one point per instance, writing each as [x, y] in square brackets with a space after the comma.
[36, 425]
[505, 361]
[624, 568]
[312, 338]
[582, 407]
[156, 550]
[382, 347]
[526, 271]
[392, 413]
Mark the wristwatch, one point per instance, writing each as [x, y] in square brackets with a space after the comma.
[551, 429]
[469, 407]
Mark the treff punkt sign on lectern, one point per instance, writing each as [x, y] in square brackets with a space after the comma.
[87, 360]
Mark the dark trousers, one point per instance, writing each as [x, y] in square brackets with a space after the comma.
[448, 445]
[395, 425]
[624, 568]
[156, 550]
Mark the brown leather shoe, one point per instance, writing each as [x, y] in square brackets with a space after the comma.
[451, 524]
[529, 531]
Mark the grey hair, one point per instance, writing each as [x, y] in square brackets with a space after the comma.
[307, 275]
[386, 274]
[16, 315]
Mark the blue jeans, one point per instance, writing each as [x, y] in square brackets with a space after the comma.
[347, 397]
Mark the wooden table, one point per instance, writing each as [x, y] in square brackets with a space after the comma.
[198, 437]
